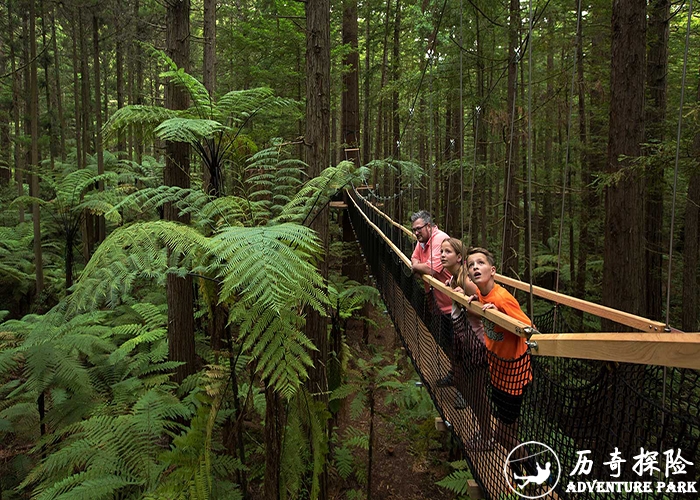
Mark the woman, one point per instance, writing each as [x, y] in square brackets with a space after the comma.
[469, 348]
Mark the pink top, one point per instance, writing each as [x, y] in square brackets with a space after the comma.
[429, 253]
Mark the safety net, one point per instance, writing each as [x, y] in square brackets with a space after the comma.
[538, 426]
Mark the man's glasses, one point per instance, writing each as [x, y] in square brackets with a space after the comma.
[417, 229]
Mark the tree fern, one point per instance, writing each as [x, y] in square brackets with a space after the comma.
[317, 192]
[208, 126]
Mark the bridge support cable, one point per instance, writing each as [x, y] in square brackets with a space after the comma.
[570, 404]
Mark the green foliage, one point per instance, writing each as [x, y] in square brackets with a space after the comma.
[305, 445]
[16, 266]
[347, 297]
[315, 193]
[457, 480]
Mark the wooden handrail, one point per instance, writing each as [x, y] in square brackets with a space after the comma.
[681, 350]
[391, 221]
[398, 252]
[497, 317]
[621, 317]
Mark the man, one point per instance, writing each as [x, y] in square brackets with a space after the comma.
[426, 256]
[426, 260]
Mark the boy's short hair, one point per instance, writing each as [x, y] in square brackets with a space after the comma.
[489, 255]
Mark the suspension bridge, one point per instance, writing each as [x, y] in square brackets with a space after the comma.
[609, 413]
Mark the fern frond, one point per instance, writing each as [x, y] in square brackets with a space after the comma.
[344, 461]
[184, 81]
[145, 118]
[110, 272]
[456, 482]
[268, 266]
[188, 130]
[356, 438]
[343, 391]
[317, 191]
[239, 106]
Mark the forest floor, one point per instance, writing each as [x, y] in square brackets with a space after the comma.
[409, 456]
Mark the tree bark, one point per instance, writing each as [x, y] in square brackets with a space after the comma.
[34, 118]
[53, 147]
[76, 93]
[16, 103]
[510, 220]
[209, 76]
[119, 62]
[274, 430]
[350, 100]
[366, 152]
[59, 91]
[317, 139]
[180, 296]
[657, 68]
[5, 139]
[398, 212]
[623, 267]
[99, 220]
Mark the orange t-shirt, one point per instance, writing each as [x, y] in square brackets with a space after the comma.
[509, 376]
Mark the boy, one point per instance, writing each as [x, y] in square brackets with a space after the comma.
[509, 363]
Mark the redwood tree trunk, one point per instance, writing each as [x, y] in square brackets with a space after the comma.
[623, 267]
[34, 118]
[317, 138]
[398, 215]
[510, 199]
[59, 90]
[365, 111]
[177, 166]
[657, 67]
[350, 119]
[99, 220]
[210, 46]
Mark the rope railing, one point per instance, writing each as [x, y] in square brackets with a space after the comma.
[512, 416]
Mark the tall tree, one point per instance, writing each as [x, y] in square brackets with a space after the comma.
[180, 295]
[366, 150]
[209, 70]
[623, 267]
[350, 100]
[34, 119]
[657, 69]
[396, 135]
[691, 254]
[5, 116]
[512, 229]
[16, 85]
[59, 90]
[317, 140]
[209, 77]
[691, 241]
[100, 220]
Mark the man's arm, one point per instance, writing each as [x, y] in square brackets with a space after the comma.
[419, 268]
